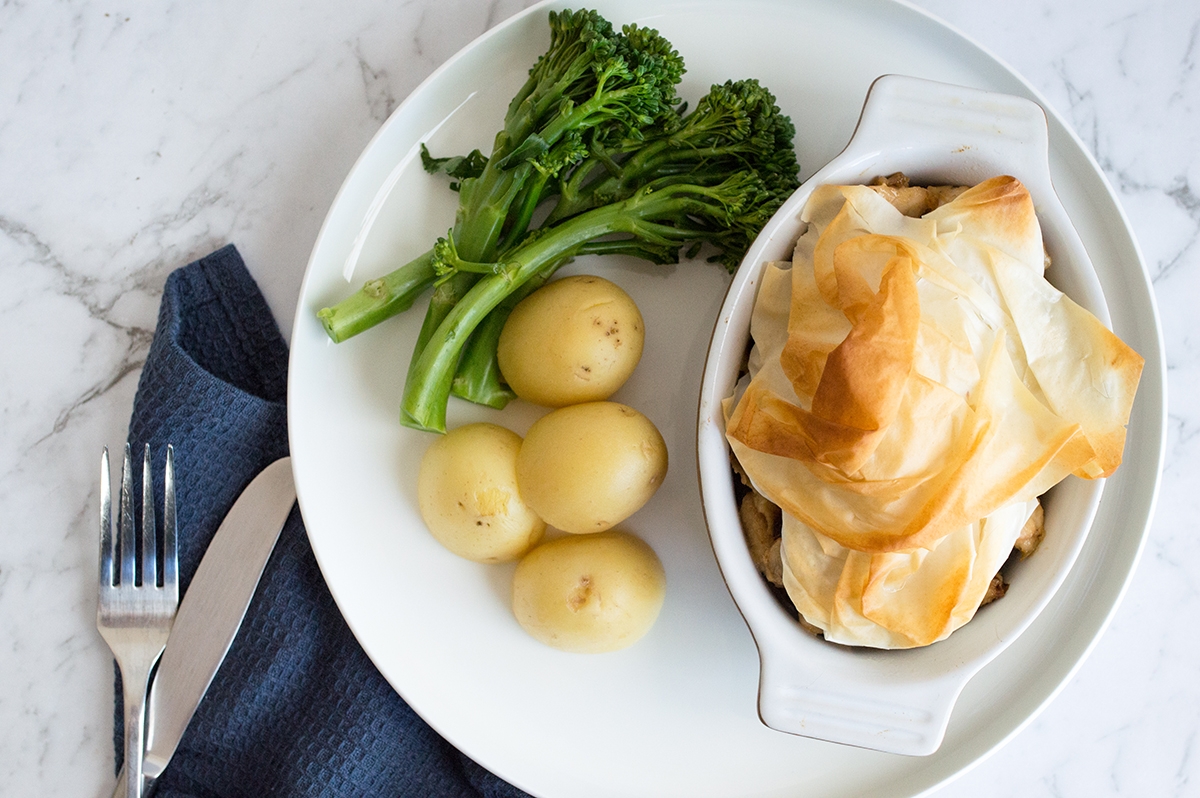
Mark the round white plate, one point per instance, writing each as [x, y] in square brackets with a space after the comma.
[674, 715]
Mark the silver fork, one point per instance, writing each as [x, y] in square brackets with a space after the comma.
[134, 613]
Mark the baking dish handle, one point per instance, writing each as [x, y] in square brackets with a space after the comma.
[903, 716]
[971, 134]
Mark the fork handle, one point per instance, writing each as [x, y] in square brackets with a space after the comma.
[135, 675]
[121, 787]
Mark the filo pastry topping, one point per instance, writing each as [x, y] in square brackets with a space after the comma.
[915, 385]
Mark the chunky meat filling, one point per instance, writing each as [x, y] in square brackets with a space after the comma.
[914, 201]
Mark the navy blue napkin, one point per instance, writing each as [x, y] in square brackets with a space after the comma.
[297, 708]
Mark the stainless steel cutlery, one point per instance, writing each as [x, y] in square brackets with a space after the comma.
[209, 617]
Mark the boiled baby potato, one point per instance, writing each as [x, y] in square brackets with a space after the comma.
[574, 340]
[468, 496]
[589, 593]
[587, 467]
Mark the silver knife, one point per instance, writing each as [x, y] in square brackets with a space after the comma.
[212, 610]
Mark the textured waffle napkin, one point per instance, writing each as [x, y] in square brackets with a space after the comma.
[296, 709]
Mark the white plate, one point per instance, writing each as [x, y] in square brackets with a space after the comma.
[676, 713]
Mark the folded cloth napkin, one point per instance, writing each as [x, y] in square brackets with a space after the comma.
[296, 709]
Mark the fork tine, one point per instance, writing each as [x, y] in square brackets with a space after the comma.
[125, 522]
[170, 570]
[106, 531]
[149, 529]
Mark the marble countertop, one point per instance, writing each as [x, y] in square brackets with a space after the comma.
[135, 138]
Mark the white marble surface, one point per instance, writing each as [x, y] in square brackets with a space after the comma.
[135, 137]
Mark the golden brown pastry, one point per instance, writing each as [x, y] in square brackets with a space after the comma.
[916, 385]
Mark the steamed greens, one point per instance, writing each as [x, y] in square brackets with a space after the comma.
[598, 147]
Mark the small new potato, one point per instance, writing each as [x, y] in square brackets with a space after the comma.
[586, 468]
[574, 340]
[467, 492]
[589, 593]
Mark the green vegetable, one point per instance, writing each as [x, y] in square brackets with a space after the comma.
[591, 81]
[599, 144]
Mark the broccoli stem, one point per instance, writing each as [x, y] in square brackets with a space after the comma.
[445, 296]
[524, 208]
[379, 299]
[431, 373]
[475, 235]
[478, 378]
[482, 212]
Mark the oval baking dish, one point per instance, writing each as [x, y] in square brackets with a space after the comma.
[896, 701]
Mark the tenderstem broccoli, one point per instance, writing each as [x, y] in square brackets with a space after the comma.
[598, 146]
[590, 78]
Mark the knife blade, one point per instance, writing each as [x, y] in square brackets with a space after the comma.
[212, 611]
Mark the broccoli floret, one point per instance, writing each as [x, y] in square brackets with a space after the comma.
[736, 126]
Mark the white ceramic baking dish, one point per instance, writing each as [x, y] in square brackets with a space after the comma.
[895, 701]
